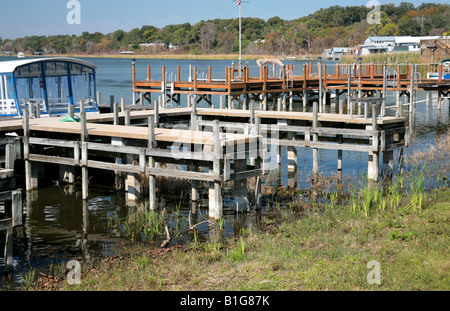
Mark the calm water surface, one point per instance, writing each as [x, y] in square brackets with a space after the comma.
[60, 227]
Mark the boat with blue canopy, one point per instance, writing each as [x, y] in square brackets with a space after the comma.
[47, 84]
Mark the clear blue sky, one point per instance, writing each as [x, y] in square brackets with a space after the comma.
[48, 17]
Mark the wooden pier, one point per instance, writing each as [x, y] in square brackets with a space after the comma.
[220, 144]
[350, 81]
[137, 150]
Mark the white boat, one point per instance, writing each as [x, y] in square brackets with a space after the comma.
[20, 55]
[50, 84]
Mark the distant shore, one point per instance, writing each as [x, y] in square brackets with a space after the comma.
[180, 56]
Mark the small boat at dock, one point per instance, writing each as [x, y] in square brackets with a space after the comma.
[47, 85]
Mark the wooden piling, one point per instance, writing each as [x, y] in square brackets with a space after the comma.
[372, 170]
[315, 139]
[31, 171]
[84, 153]
[215, 189]
[292, 154]
[153, 201]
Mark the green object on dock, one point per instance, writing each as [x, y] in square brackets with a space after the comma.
[70, 119]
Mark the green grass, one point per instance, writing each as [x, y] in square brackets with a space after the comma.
[317, 249]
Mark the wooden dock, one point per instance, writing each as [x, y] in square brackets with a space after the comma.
[220, 144]
[137, 150]
[349, 81]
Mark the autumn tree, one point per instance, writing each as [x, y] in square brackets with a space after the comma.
[208, 36]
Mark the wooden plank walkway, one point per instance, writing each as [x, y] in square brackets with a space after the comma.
[135, 150]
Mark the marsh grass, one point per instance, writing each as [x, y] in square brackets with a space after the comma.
[319, 238]
[326, 249]
[392, 58]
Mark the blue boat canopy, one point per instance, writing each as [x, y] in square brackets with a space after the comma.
[50, 84]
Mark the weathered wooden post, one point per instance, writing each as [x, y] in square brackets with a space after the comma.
[99, 98]
[111, 103]
[153, 201]
[383, 103]
[84, 153]
[194, 126]
[123, 105]
[71, 111]
[339, 163]
[222, 102]
[265, 95]
[349, 89]
[156, 111]
[116, 114]
[258, 165]
[411, 92]
[127, 117]
[215, 189]
[31, 172]
[319, 68]
[372, 170]
[315, 140]
[292, 153]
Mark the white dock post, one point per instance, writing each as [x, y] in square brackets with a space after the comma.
[153, 201]
[215, 189]
[123, 105]
[372, 169]
[222, 102]
[194, 127]
[133, 182]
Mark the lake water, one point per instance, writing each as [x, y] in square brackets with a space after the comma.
[60, 227]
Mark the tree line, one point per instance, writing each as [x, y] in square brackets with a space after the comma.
[333, 26]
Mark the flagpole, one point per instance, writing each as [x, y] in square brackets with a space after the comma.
[240, 34]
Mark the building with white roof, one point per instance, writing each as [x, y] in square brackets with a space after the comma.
[373, 45]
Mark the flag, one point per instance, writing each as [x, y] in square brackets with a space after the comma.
[238, 2]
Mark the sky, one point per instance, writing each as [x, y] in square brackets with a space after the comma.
[49, 17]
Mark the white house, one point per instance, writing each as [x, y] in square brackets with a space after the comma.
[373, 45]
[335, 53]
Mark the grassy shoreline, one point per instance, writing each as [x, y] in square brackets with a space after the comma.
[174, 56]
[168, 56]
[317, 248]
